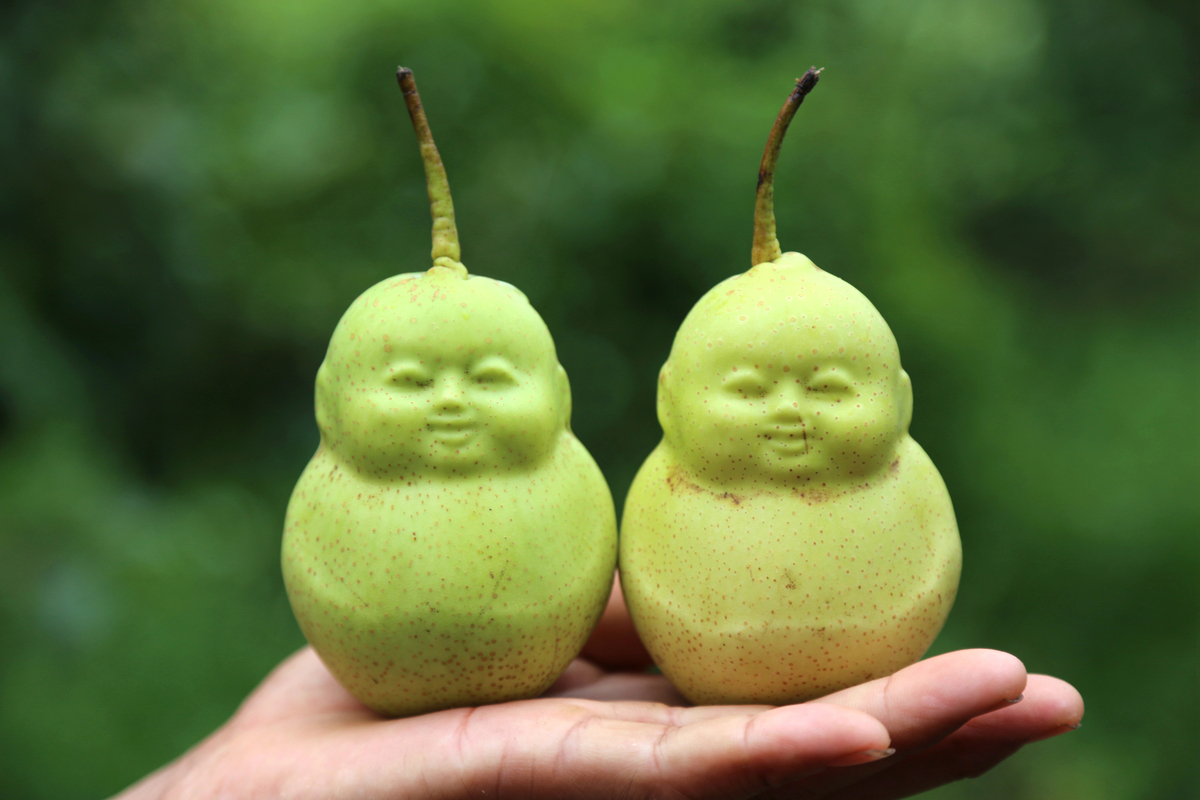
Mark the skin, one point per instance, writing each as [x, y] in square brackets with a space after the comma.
[602, 732]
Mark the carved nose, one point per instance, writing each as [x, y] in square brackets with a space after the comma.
[787, 405]
[450, 393]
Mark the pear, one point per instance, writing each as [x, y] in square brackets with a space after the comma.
[451, 543]
[787, 538]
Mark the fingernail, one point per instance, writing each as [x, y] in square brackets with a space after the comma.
[1066, 727]
[862, 757]
[1016, 699]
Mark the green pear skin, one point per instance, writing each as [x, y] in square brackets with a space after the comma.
[788, 537]
[451, 543]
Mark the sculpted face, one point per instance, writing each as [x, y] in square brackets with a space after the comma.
[435, 375]
[789, 386]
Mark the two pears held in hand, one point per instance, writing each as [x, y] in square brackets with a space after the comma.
[787, 538]
[451, 542]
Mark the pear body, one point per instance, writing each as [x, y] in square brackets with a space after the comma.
[451, 543]
[788, 537]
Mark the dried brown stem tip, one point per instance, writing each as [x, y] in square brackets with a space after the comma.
[446, 251]
[766, 245]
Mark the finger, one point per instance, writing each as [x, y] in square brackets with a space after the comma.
[1050, 707]
[549, 748]
[731, 756]
[614, 643]
[743, 755]
[925, 702]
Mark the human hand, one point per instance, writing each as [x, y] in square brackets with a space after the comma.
[601, 733]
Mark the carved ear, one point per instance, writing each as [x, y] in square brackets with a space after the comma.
[665, 401]
[562, 390]
[904, 401]
[324, 402]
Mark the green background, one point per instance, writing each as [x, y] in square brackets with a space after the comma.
[192, 192]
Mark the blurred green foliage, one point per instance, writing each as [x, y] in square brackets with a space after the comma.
[193, 192]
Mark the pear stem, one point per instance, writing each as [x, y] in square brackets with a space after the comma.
[446, 252]
[766, 245]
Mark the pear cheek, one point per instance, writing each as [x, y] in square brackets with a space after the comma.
[721, 441]
[863, 439]
[521, 428]
[404, 428]
[384, 434]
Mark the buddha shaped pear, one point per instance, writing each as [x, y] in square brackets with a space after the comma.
[788, 537]
[451, 542]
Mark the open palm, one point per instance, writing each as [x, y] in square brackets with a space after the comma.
[605, 731]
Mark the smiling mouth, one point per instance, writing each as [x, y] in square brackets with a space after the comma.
[793, 439]
[451, 431]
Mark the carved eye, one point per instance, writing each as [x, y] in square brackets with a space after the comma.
[492, 373]
[830, 383]
[747, 385]
[493, 376]
[411, 378]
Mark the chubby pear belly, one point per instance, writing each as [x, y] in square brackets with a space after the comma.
[431, 595]
[782, 596]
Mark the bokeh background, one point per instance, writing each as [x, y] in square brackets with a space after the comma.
[192, 192]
